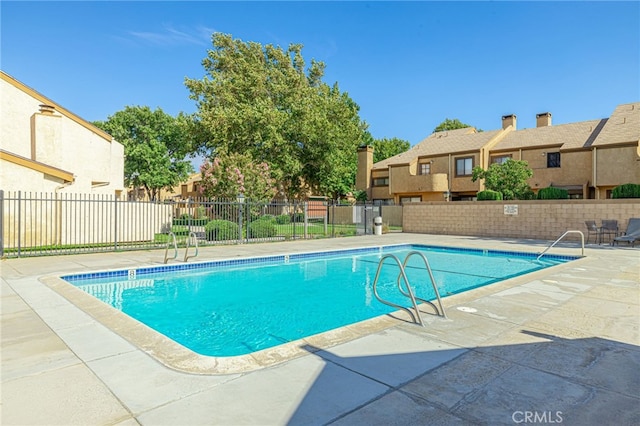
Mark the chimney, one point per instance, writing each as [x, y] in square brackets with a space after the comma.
[509, 120]
[543, 119]
[365, 164]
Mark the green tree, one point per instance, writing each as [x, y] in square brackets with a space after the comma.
[385, 148]
[228, 175]
[509, 178]
[449, 124]
[155, 147]
[261, 101]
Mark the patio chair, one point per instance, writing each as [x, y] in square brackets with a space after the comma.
[631, 235]
[609, 228]
[592, 229]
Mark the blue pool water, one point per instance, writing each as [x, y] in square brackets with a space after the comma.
[235, 307]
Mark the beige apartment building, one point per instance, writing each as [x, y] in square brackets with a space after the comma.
[587, 158]
[46, 148]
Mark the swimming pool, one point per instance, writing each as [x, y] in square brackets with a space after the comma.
[235, 307]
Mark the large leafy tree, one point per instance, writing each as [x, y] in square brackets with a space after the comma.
[261, 101]
[385, 148]
[509, 178]
[449, 124]
[155, 147]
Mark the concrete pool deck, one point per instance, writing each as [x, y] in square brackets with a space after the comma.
[560, 345]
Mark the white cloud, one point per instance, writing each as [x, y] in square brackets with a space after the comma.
[170, 36]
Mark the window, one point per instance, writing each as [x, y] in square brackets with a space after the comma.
[464, 166]
[384, 181]
[410, 200]
[500, 159]
[425, 169]
[553, 159]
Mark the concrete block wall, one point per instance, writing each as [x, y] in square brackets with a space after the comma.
[539, 219]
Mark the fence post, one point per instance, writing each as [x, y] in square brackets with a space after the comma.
[295, 214]
[1, 223]
[326, 217]
[19, 222]
[306, 219]
[240, 205]
[333, 219]
[115, 223]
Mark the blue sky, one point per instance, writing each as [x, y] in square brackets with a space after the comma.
[409, 65]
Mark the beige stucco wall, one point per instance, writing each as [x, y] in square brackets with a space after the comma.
[57, 141]
[617, 165]
[404, 180]
[365, 163]
[464, 183]
[540, 219]
[13, 176]
[379, 192]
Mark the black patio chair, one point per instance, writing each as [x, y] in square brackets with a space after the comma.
[592, 229]
[609, 228]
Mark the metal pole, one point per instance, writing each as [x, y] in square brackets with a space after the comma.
[19, 221]
[306, 219]
[326, 216]
[1, 223]
[115, 223]
[239, 223]
[333, 219]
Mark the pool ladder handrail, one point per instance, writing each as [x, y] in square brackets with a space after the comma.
[409, 292]
[186, 250]
[439, 311]
[561, 237]
[175, 247]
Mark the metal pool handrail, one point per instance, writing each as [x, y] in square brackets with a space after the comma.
[186, 250]
[175, 247]
[406, 280]
[561, 237]
[433, 282]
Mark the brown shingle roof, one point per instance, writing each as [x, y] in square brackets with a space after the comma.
[447, 142]
[623, 126]
[567, 136]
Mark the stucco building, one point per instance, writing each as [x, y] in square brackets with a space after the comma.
[587, 158]
[46, 148]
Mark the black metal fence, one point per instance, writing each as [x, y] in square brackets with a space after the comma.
[38, 224]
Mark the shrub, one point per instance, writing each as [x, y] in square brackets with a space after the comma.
[298, 217]
[267, 218]
[180, 230]
[192, 222]
[553, 193]
[489, 195]
[627, 190]
[283, 219]
[263, 228]
[220, 230]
